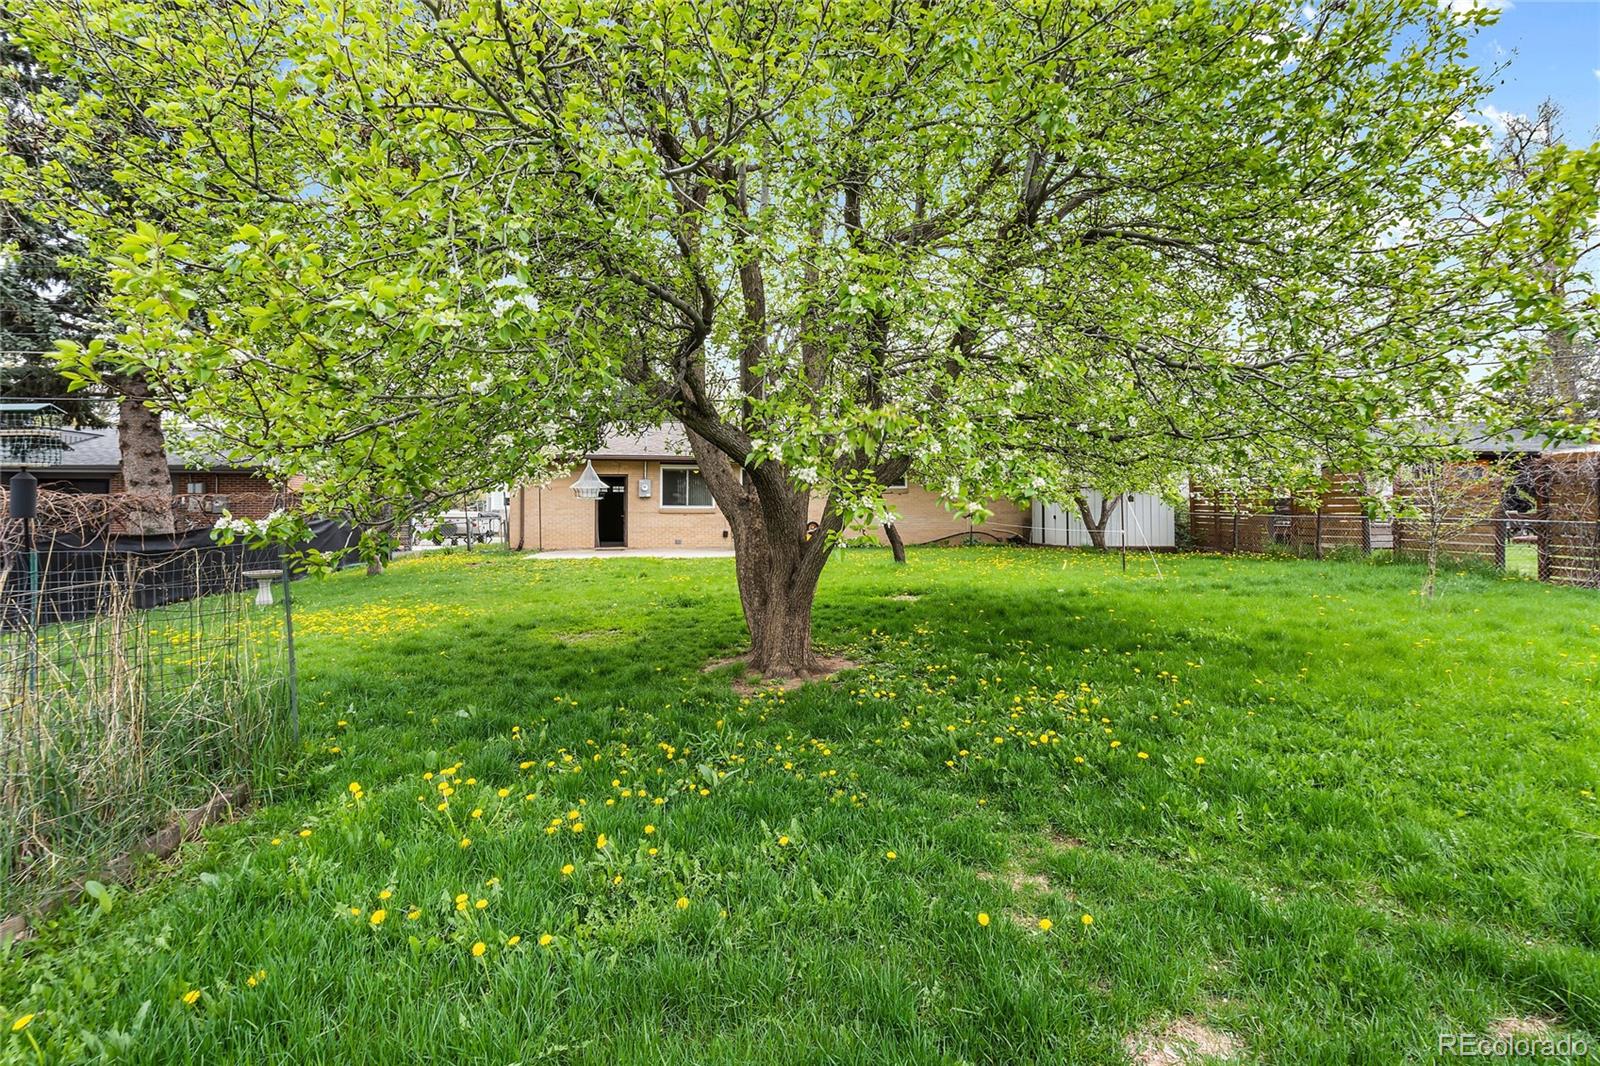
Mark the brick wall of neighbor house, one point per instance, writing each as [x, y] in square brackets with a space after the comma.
[551, 518]
[249, 495]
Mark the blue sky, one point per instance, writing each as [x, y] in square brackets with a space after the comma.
[1553, 47]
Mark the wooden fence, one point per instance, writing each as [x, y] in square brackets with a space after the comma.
[1559, 520]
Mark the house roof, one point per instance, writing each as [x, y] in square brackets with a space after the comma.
[666, 441]
[97, 451]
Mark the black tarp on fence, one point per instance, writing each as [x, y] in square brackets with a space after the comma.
[65, 580]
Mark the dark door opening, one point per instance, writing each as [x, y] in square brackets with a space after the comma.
[611, 514]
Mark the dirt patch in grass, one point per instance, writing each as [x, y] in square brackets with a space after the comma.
[1021, 883]
[749, 682]
[1181, 1041]
[1017, 880]
[906, 597]
[589, 637]
[1064, 843]
[1524, 1025]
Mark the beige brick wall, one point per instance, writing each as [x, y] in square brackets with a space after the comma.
[550, 518]
[924, 517]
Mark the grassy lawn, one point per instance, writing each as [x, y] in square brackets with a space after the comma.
[1301, 808]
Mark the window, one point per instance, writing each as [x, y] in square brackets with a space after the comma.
[682, 486]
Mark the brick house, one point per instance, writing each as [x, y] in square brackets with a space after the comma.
[658, 500]
[203, 486]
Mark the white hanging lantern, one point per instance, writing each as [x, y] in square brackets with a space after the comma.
[589, 486]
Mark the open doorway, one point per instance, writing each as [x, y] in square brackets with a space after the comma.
[611, 513]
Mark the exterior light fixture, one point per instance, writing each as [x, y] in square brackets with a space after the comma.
[589, 486]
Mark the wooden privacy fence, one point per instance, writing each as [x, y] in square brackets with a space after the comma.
[1551, 510]
[1335, 519]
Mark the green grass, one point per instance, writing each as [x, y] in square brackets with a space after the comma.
[1391, 834]
[1522, 559]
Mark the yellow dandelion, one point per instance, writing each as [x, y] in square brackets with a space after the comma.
[545, 940]
[566, 871]
[466, 842]
[1144, 755]
[683, 903]
[191, 997]
[891, 856]
[1045, 925]
[783, 842]
[600, 841]
[305, 833]
[983, 918]
[413, 914]
[478, 949]
[649, 829]
[22, 1022]
[355, 787]
[1199, 760]
[1087, 919]
[482, 903]
[513, 941]
[477, 812]
[276, 841]
[385, 894]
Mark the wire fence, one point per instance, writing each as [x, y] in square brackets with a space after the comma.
[138, 678]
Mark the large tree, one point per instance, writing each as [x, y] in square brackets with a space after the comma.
[51, 291]
[1026, 245]
[1529, 149]
[42, 298]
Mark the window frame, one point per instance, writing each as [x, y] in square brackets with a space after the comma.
[688, 468]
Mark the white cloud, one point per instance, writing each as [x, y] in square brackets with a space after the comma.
[1499, 117]
[1473, 7]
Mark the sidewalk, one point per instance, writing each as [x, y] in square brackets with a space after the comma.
[635, 553]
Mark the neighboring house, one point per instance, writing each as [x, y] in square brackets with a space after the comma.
[206, 485]
[658, 500]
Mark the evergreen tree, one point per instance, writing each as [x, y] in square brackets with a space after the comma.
[42, 298]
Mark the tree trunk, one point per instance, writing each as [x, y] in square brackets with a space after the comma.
[374, 567]
[897, 545]
[776, 565]
[146, 478]
[1097, 529]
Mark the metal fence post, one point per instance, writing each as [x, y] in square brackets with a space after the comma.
[31, 537]
[288, 634]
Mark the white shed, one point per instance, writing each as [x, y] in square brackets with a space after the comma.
[1145, 520]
